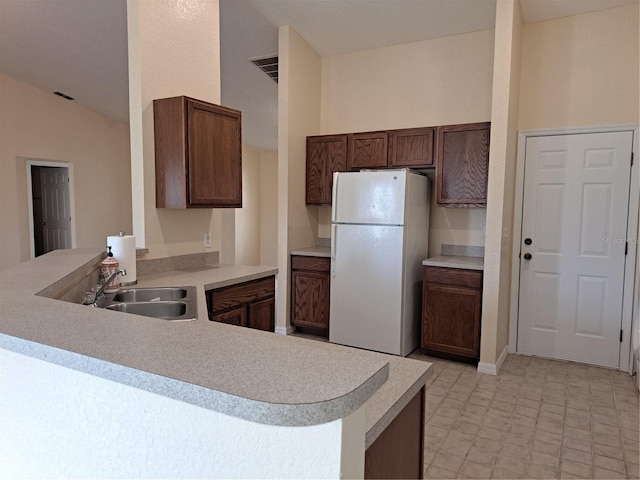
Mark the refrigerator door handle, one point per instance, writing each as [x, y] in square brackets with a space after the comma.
[334, 198]
[334, 231]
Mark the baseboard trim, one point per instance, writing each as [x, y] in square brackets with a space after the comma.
[285, 330]
[493, 369]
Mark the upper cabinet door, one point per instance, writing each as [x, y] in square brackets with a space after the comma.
[462, 165]
[368, 150]
[326, 154]
[215, 152]
[411, 147]
[198, 153]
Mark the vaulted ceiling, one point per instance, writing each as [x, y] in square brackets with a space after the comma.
[79, 47]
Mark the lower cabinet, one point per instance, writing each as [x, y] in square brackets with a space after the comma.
[249, 304]
[451, 308]
[398, 451]
[310, 294]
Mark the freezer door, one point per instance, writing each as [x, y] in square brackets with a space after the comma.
[369, 197]
[366, 287]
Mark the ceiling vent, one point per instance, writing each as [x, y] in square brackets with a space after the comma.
[66, 97]
[268, 65]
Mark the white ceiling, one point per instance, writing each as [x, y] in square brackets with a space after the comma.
[79, 47]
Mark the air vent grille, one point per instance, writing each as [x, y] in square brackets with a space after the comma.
[268, 65]
[63, 95]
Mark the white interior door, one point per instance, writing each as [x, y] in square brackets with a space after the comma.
[574, 232]
[56, 212]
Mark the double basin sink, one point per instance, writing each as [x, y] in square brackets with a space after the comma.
[167, 303]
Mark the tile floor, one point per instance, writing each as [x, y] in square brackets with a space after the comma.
[537, 418]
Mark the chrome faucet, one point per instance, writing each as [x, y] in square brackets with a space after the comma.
[92, 298]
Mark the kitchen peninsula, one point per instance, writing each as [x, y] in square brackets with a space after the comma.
[89, 392]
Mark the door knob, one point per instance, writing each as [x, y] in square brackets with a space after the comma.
[527, 256]
[528, 241]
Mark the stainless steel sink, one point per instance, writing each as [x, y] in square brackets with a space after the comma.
[166, 303]
[162, 309]
[150, 294]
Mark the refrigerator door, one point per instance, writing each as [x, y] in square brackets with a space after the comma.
[369, 197]
[366, 287]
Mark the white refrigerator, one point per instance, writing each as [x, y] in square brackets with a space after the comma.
[379, 237]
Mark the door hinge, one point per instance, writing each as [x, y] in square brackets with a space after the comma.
[632, 159]
[626, 248]
[620, 335]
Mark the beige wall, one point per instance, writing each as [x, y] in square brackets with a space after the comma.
[256, 223]
[269, 208]
[581, 70]
[435, 82]
[501, 186]
[247, 218]
[298, 116]
[174, 49]
[40, 126]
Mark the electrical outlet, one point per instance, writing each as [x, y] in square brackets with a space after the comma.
[207, 240]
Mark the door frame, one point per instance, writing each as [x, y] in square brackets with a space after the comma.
[631, 267]
[49, 163]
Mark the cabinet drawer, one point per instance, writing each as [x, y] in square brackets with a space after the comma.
[312, 264]
[228, 297]
[453, 276]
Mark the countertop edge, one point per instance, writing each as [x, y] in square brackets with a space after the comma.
[24, 329]
[240, 407]
[374, 432]
[324, 252]
[455, 261]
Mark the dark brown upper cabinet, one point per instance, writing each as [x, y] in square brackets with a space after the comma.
[326, 154]
[198, 154]
[462, 165]
[368, 150]
[411, 147]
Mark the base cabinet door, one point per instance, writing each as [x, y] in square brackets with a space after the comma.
[398, 451]
[261, 315]
[310, 294]
[237, 316]
[451, 307]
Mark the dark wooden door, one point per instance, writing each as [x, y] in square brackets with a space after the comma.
[411, 147]
[462, 164]
[368, 150]
[261, 315]
[310, 299]
[237, 316]
[451, 310]
[214, 153]
[326, 154]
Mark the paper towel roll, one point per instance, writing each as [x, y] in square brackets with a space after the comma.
[124, 250]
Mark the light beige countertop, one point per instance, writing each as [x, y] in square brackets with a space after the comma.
[455, 261]
[313, 252]
[255, 375]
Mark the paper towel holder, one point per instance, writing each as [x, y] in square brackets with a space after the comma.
[128, 259]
